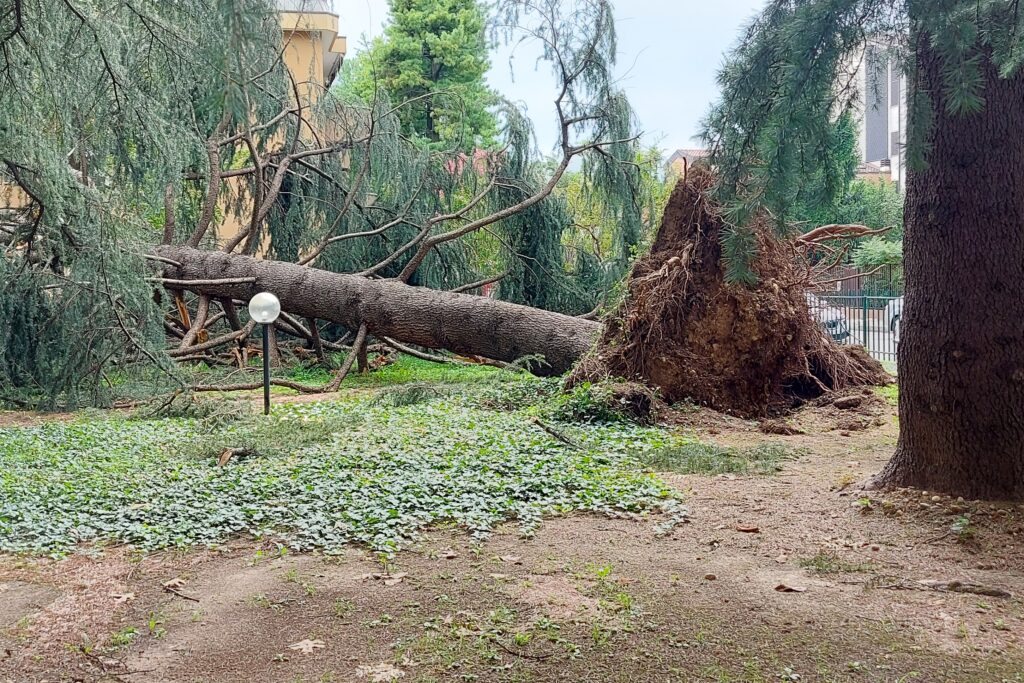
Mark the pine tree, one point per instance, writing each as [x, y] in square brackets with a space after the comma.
[961, 358]
[433, 56]
[101, 107]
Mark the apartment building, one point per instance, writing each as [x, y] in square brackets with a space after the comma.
[882, 112]
[314, 51]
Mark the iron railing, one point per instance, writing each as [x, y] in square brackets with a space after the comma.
[848, 280]
[863, 319]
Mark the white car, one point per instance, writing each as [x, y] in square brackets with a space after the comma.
[831, 319]
[893, 314]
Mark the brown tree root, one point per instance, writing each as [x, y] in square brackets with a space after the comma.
[748, 350]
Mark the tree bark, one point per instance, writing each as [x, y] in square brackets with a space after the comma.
[462, 323]
[961, 356]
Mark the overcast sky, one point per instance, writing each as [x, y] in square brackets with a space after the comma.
[669, 51]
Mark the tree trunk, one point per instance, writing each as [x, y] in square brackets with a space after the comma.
[961, 356]
[462, 323]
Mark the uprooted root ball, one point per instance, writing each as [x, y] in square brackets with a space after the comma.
[749, 350]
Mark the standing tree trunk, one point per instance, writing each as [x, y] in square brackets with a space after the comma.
[961, 356]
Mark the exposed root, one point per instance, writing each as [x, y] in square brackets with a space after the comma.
[751, 351]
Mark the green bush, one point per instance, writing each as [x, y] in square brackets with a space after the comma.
[876, 252]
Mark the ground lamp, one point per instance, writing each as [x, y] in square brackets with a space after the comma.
[264, 309]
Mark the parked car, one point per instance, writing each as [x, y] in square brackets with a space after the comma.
[831, 319]
[893, 313]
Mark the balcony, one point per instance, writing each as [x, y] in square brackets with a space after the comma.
[320, 6]
[312, 24]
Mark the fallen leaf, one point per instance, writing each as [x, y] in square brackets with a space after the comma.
[174, 583]
[783, 588]
[512, 559]
[710, 577]
[394, 579]
[388, 579]
[307, 646]
[748, 529]
[380, 673]
[449, 554]
[122, 598]
[225, 456]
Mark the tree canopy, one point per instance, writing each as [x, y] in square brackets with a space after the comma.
[433, 55]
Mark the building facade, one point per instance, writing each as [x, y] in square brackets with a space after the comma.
[313, 49]
[681, 159]
[881, 109]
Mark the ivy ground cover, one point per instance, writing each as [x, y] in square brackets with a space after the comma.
[317, 475]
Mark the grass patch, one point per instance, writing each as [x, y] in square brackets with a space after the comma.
[145, 382]
[891, 394]
[407, 370]
[316, 475]
[696, 457]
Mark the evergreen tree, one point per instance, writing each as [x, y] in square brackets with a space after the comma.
[432, 60]
[961, 357]
[101, 107]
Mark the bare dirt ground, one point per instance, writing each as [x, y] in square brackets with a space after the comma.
[792, 577]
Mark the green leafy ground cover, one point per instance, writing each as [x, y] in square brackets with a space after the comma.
[374, 468]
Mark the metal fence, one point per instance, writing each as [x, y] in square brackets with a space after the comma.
[860, 318]
[848, 280]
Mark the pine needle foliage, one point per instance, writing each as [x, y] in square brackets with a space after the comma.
[433, 54]
[101, 106]
[789, 82]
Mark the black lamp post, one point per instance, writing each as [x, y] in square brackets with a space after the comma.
[264, 309]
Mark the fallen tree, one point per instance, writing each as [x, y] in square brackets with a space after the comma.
[462, 323]
[242, 156]
[349, 216]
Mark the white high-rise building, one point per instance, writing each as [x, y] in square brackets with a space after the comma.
[882, 112]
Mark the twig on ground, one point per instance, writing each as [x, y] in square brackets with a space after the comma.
[175, 591]
[524, 655]
[556, 434]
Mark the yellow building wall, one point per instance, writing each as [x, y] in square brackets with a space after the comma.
[309, 38]
[12, 197]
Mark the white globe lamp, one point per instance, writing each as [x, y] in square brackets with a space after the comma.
[264, 308]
